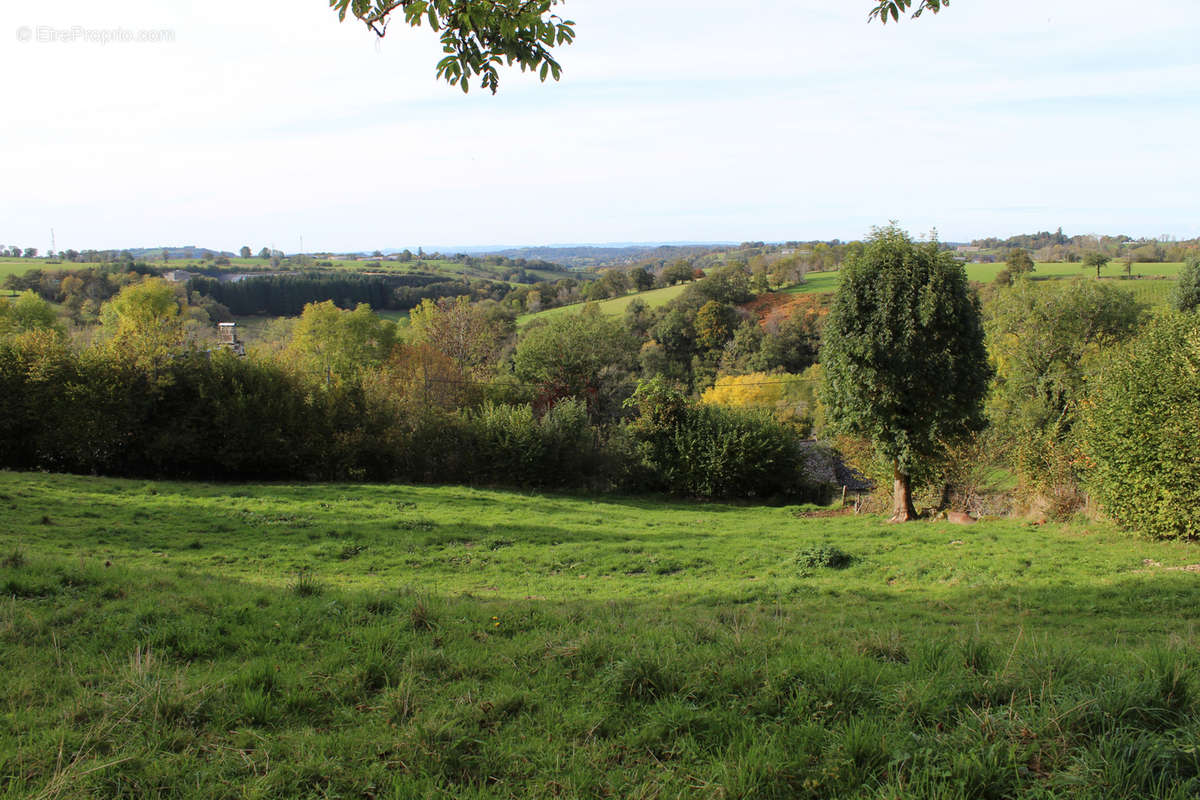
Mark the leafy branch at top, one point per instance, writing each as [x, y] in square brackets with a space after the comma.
[476, 35]
[479, 35]
[894, 8]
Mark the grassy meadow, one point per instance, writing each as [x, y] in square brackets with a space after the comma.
[446, 267]
[1154, 288]
[614, 306]
[213, 641]
[19, 266]
[986, 273]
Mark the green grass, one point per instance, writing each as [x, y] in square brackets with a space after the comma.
[614, 306]
[1153, 289]
[19, 266]
[816, 283]
[449, 269]
[446, 267]
[985, 273]
[192, 640]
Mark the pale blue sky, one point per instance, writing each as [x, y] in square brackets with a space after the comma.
[675, 120]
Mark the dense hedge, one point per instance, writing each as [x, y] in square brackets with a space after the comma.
[218, 417]
[1141, 432]
[715, 451]
[286, 295]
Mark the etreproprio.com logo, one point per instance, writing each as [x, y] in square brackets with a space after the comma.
[78, 34]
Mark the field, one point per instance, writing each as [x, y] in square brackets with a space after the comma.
[986, 273]
[613, 306]
[19, 266]
[1152, 292]
[450, 269]
[190, 640]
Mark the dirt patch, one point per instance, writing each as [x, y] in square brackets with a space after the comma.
[1150, 562]
[828, 512]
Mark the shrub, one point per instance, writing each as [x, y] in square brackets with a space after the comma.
[1186, 295]
[826, 556]
[1139, 436]
[713, 451]
[513, 446]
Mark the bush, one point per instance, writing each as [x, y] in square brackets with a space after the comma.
[1186, 295]
[1140, 431]
[513, 446]
[826, 556]
[713, 451]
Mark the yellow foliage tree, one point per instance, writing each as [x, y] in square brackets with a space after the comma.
[790, 397]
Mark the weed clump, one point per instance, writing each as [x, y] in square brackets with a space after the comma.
[421, 617]
[306, 585]
[826, 556]
[641, 679]
[15, 559]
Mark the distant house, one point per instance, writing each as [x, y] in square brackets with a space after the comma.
[178, 275]
[227, 338]
[974, 254]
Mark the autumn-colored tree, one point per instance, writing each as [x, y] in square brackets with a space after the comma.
[471, 336]
[339, 345]
[420, 377]
[715, 323]
[145, 324]
[792, 398]
[27, 312]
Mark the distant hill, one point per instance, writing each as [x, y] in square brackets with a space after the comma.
[585, 256]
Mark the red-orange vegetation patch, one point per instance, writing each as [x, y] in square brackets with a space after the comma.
[777, 306]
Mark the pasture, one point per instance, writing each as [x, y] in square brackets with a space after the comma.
[446, 267]
[985, 273]
[19, 266]
[191, 640]
[614, 306]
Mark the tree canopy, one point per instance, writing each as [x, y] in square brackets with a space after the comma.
[479, 35]
[1186, 295]
[903, 355]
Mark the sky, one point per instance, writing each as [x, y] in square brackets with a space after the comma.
[226, 123]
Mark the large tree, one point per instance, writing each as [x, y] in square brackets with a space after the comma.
[479, 35]
[903, 356]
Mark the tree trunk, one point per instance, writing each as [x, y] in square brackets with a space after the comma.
[902, 505]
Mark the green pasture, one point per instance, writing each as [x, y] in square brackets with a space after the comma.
[614, 306]
[176, 640]
[450, 269]
[985, 273]
[815, 283]
[19, 266]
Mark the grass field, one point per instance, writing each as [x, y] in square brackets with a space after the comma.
[985, 273]
[450, 269]
[19, 266]
[613, 306]
[1151, 292]
[188, 640]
